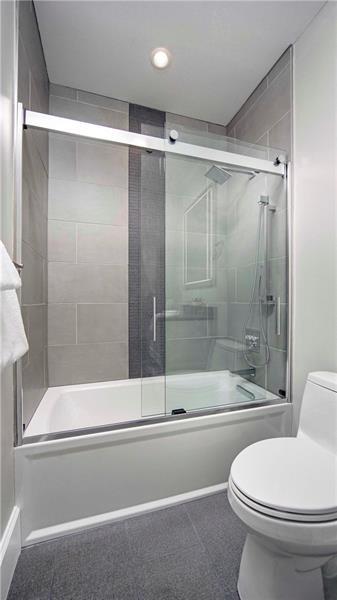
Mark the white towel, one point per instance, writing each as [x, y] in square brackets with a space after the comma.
[12, 334]
[9, 277]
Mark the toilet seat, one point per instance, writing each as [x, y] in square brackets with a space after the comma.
[278, 514]
[291, 479]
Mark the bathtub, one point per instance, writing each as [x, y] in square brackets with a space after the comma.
[93, 477]
[74, 407]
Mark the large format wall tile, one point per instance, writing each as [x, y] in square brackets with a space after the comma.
[61, 324]
[86, 363]
[88, 240]
[273, 104]
[102, 244]
[33, 277]
[87, 202]
[102, 164]
[62, 156]
[102, 322]
[34, 220]
[280, 135]
[82, 111]
[61, 241]
[187, 355]
[86, 283]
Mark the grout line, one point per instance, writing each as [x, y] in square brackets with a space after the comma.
[195, 528]
[77, 100]
[88, 344]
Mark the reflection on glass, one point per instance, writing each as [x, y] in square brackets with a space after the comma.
[198, 264]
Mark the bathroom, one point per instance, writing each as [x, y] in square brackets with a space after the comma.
[168, 295]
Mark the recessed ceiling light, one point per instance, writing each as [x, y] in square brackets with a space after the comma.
[160, 58]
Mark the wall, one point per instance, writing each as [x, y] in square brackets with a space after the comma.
[10, 535]
[88, 242]
[33, 92]
[87, 245]
[7, 123]
[146, 247]
[315, 193]
[266, 119]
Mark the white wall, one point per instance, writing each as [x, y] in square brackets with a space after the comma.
[9, 540]
[8, 99]
[315, 201]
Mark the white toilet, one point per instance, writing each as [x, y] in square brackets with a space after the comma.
[285, 491]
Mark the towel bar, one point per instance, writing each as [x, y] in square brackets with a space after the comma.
[18, 266]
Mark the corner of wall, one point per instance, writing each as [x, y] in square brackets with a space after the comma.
[10, 544]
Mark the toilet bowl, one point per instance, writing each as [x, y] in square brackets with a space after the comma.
[285, 491]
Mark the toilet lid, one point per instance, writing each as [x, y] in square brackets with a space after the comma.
[288, 474]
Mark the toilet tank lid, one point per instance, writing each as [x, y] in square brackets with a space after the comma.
[325, 379]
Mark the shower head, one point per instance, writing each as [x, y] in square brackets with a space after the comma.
[218, 174]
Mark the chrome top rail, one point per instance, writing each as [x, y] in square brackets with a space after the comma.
[154, 420]
[128, 138]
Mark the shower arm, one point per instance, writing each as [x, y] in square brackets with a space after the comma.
[240, 171]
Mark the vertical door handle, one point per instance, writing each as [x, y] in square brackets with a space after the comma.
[154, 318]
[278, 316]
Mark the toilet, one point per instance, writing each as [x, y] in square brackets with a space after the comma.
[284, 490]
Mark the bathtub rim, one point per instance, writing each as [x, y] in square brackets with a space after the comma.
[146, 422]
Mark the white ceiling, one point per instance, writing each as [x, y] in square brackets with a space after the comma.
[221, 50]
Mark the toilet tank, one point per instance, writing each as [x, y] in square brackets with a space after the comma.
[318, 418]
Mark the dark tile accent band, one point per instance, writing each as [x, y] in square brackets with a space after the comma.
[146, 247]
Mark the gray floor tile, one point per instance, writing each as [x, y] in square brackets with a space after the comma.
[102, 543]
[94, 565]
[33, 574]
[93, 580]
[159, 533]
[222, 535]
[188, 552]
[185, 575]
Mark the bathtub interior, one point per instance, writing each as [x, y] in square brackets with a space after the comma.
[79, 407]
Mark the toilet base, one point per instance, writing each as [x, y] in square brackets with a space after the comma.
[268, 574]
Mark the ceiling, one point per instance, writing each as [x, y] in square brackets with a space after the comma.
[221, 50]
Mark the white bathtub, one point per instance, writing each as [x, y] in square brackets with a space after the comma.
[73, 407]
[68, 484]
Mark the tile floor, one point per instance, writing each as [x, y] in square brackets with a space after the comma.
[188, 552]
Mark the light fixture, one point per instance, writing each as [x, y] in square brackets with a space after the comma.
[160, 58]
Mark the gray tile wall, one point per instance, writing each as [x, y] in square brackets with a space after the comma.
[147, 247]
[87, 245]
[265, 118]
[33, 90]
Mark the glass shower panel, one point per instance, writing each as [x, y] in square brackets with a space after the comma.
[225, 285]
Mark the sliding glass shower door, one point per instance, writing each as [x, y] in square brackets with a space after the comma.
[167, 269]
[226, 290]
